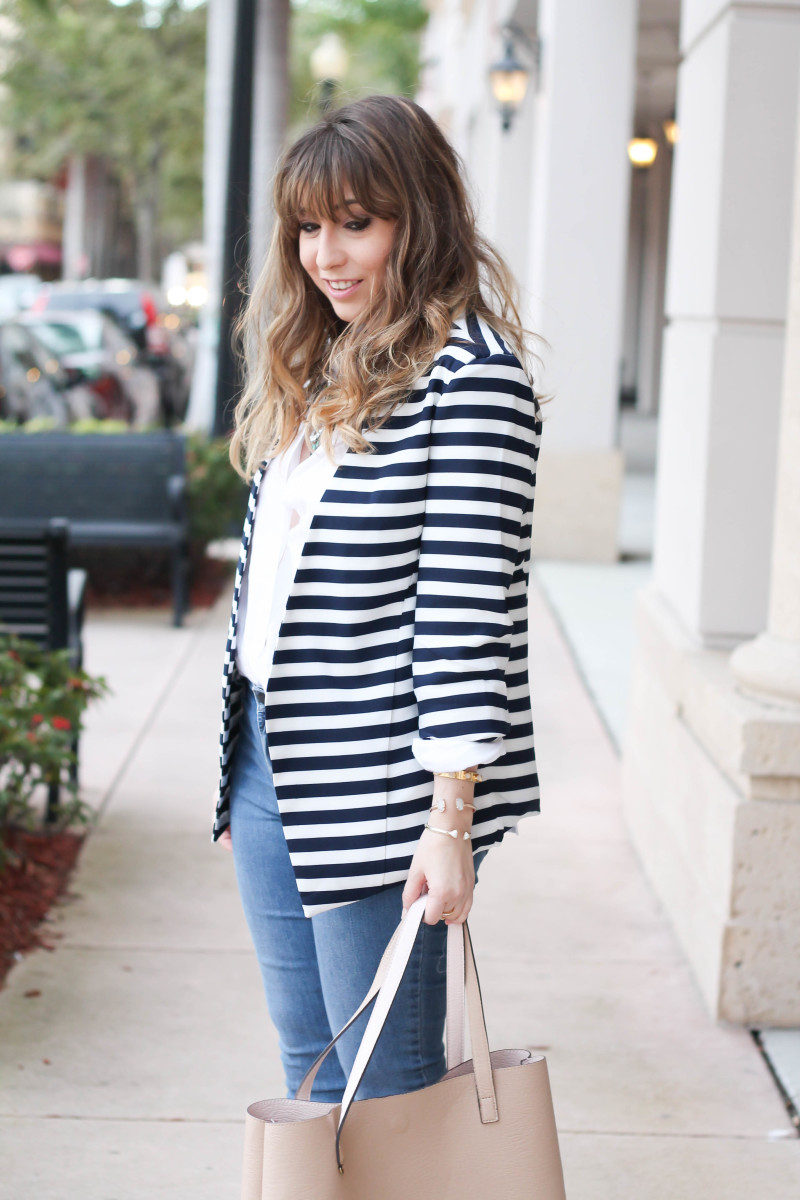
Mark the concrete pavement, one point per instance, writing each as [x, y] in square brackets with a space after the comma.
[129, 1075]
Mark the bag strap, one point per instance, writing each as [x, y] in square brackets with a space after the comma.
[455, 1020]
[304, 1090]
[455, 1024]
[482, 1066]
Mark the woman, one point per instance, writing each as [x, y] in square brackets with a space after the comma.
[376, 706]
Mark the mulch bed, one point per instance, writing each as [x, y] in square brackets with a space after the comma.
[30, 883]
[126, 579]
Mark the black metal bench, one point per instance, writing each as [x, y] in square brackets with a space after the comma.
[42, 599]
[115, 489]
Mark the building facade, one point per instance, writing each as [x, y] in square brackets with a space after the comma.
[672, 291]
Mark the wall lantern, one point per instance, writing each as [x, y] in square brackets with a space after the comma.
[329, 61]
[642, 151]
[509, 77]
[671, 131]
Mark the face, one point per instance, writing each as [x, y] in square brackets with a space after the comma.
[350, 252]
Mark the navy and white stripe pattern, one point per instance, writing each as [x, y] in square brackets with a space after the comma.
[407, 615]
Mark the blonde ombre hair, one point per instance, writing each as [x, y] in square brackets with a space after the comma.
[388, 153]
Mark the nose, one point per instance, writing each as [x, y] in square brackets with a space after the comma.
[330, 253]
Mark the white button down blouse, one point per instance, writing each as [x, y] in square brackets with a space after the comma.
[289, 494]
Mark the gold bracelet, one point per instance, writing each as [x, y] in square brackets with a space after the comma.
[449, 832]
[473, 776]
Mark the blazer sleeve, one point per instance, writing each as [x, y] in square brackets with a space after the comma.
[454, 754]
[484, 444]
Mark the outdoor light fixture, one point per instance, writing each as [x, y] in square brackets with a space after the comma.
[671, 132]
[509, 77]
[642, 151]
[329, 62]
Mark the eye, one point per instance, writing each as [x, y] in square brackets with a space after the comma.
[356, 225]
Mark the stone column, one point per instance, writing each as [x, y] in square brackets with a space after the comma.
[727, 276]
[769, 666]
[711, 763]
[578, 197]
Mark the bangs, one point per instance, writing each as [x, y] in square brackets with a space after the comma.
[328, 172]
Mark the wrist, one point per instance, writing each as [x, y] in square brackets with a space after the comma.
[457, 774]
[446, 831]
[445, 815]
[453, 797]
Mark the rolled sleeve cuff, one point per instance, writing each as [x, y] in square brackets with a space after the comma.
[455, 754]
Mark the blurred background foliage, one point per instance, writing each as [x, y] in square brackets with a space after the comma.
[92, 77]
[125, 81]
[382, 38]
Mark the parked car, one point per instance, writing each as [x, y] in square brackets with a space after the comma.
[18, 291]
[90, 345]
[33, 383]
[142, 311]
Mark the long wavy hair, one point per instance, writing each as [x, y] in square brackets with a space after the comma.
[299, 359]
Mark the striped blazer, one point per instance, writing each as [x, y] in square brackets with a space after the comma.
[407, 615]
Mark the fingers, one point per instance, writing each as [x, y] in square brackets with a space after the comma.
[452, 891]
[225, 839]
[412, 889]
[435, 910]
[457, 917]
[457, 908]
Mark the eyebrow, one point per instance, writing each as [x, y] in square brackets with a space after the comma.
[303, 212]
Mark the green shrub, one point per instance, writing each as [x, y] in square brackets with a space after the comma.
[217, 496]
[42, 703]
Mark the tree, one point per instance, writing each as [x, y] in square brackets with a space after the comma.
[120, 82]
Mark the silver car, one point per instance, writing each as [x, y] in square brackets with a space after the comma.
[92, 343]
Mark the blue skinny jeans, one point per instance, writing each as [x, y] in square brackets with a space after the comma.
[316, 970]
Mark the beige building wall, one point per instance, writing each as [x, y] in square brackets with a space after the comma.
[712, 755]
[711, 760]
[552, 194]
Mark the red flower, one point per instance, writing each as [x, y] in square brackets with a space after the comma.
[13, 654]
[37, 719]
[61, 723]
[30, 736]
[75, 682]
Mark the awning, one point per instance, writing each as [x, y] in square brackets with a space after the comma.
[26, 257]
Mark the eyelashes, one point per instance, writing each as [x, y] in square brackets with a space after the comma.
[355, 226]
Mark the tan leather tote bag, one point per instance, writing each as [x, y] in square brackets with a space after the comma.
[485, 1131]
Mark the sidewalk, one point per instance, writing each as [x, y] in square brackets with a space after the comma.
[128, 1077]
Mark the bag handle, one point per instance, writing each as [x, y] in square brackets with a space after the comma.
[482, 1065]
[455, 1020]
[464, 984]
[304, 1090]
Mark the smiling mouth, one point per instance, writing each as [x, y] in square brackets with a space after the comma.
[345, 286]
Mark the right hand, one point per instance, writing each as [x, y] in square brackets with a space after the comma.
[445, 870]
[225, 840]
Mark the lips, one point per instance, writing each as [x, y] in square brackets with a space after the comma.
[342, 291]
